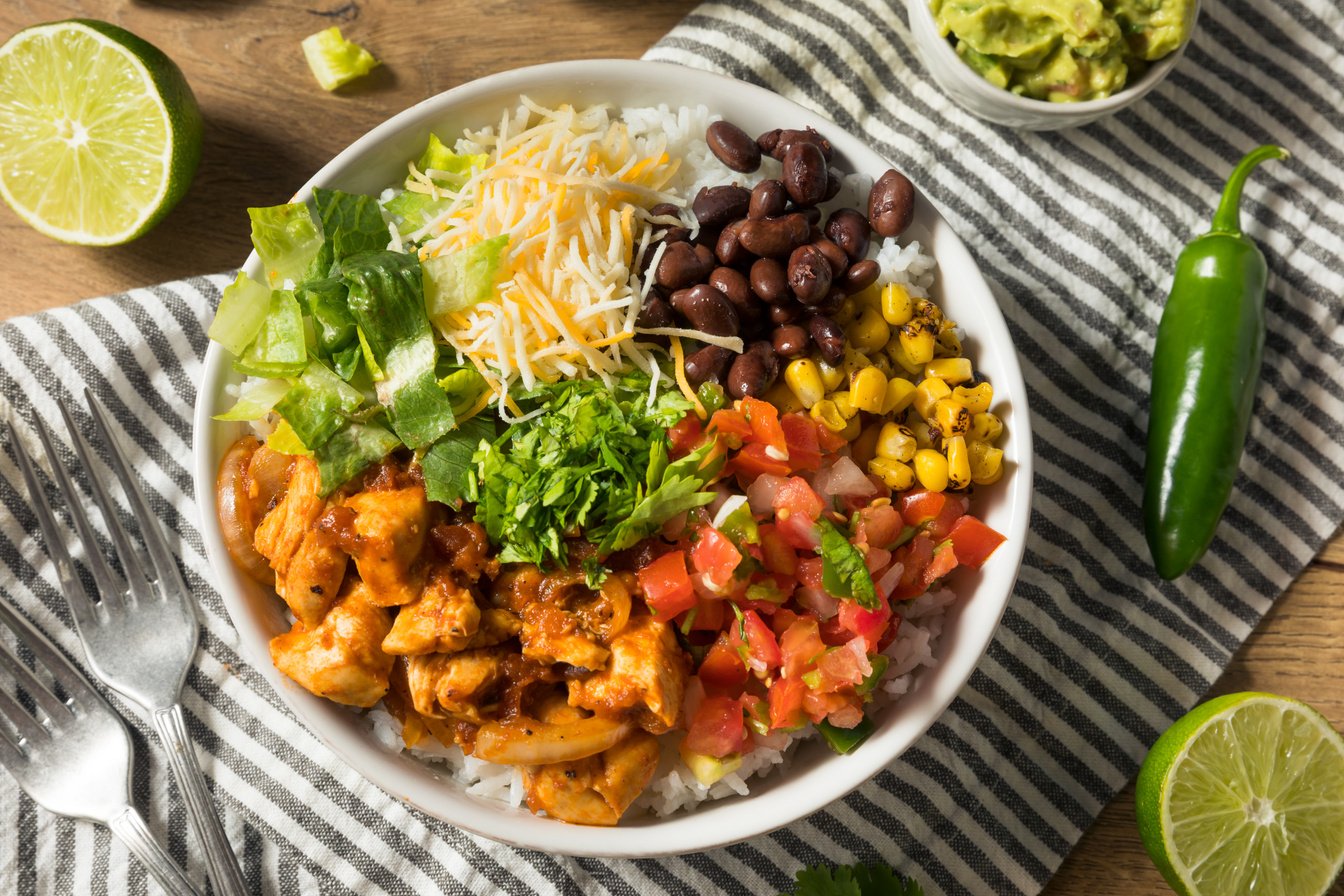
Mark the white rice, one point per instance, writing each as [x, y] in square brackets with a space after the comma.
[681, 133]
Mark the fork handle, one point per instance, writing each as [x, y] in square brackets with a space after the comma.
[131, 829]
[220, 860]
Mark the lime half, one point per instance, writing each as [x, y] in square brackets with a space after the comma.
[99, 132]
[1245, 795]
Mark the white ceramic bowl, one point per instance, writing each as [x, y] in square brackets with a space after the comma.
[816, 776]
[1000, 106]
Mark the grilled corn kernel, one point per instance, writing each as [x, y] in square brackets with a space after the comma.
[832, 378]
[844, 403]
[782, 397]
[924, 436]
[986, 462]
[976, 399]
[864, 448]
[803, 376]
[868, 390]
[869, 298]
[985, 427]
[853, 428]
[958, 463]
[948, 343]
[931, 469]
[929, 311]
[897, 306]
[828, 415]
[870, 332]
[853, 362]
[900, 392]
[883, 364]
[896, 442]
[917, 340]
[847, 313]
[951, 418]
[895, 475]
[927, 394]
[950, 370]
[895, 350]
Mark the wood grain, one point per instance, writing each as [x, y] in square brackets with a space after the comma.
[269, 127]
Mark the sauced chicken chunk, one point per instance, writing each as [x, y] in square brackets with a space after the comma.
[466, 548]
[551, 635]
[458, 685]
[596, 790]
[284, 527]
[443, 619]
[388, 535]
[497, 626]
[314, 577]
[644, 680]
[516, 586]
[341, 658]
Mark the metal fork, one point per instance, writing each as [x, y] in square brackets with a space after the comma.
[73, 756]
[141, 636]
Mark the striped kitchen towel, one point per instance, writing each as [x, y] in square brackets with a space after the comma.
[1078, 232]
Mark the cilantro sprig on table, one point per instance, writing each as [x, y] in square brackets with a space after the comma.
[853, 880]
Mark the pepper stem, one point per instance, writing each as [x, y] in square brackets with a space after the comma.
[1227, 219]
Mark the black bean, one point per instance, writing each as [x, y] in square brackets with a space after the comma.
[733, 283]
[828, 336]
[665, 210]
[729, 249]
[716, 206]
[707, 310]
[769, 281]
[655, 313]
[769, 140]
[805, 173]
[790, 341]
[733, 146]
[680, 267]
[786, 312]
[785, 139]
[834, 254]
[848, 229]
[768, 199]
[861, 276]
[774, 237]
[891, 204]
[707, 365]
[809, 274]
[834, 181]
[705, 255]
[753, 371]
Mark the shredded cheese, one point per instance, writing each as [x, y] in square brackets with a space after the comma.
[571, 190]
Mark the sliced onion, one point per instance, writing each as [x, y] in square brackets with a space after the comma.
[236, 521]
[818, 601]
[761, 493]
[890, 579]
[726, 509]
[268, 473]
[525, 741]
[843, 479]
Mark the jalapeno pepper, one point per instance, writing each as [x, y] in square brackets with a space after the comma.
[1205, 366]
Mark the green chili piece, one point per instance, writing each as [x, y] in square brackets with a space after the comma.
[1205, 366]
[846, 740]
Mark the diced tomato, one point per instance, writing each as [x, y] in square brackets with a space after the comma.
[919, 507]
[776, 554]
[754, 459]
[799, 532]
[843, 667]
[847, 716]
[818, 705]
[722, 668]
[890, 632]
[876, 559]
[794, 497]
[731, 425]
[709, 615]
[667, 586]
[829, 441]
[714, 555]
[943, 562]
[973, 541]
[879, 526]
[799, 646]
[716, 729]
[953, 508]
[866, 624]
[786, 704]
[800, 434]
[809, 572]
[685, 436]
[763, 652]
[766, 428]
[914, 557]
[783, 618]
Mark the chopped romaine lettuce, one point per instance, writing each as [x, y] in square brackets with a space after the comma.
[459, 280]
[255, 401]
[242, 309]
[317, 404]
[286, 240]
[280, 348]
[284, 440]
[464, 386]
[350, 451]
[351, 224]
[327, 304]
[415, 210]
[446, 168]
[448, 465]
[335, 60]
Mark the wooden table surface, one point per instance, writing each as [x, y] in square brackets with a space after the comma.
[268, 127]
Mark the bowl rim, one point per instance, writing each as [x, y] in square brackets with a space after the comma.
[715, 823]
[1130, 93]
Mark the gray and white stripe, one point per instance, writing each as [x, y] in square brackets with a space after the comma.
[1077, 233]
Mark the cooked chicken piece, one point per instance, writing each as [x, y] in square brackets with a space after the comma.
[457, 685]
[596, 790]
[644, 680]
[342, 657]
[466, 547]
[283, 529]
[388, 535]
[414, 726]
[313, 578]
[516, 586]
[443, 619]
[497, 626]
[551, 635]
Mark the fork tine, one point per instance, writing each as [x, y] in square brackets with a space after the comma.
[151, 527]
[81, 606]
[52, 705]
[132, 561]
[108, 588]
[10, 757]
[71, 680]
[13, 712]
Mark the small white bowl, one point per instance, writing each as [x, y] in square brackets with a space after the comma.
[981, 98]
[816, 776]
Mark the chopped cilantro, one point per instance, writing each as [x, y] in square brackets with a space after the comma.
[843, 571]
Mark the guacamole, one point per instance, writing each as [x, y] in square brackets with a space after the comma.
[1063, 50]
